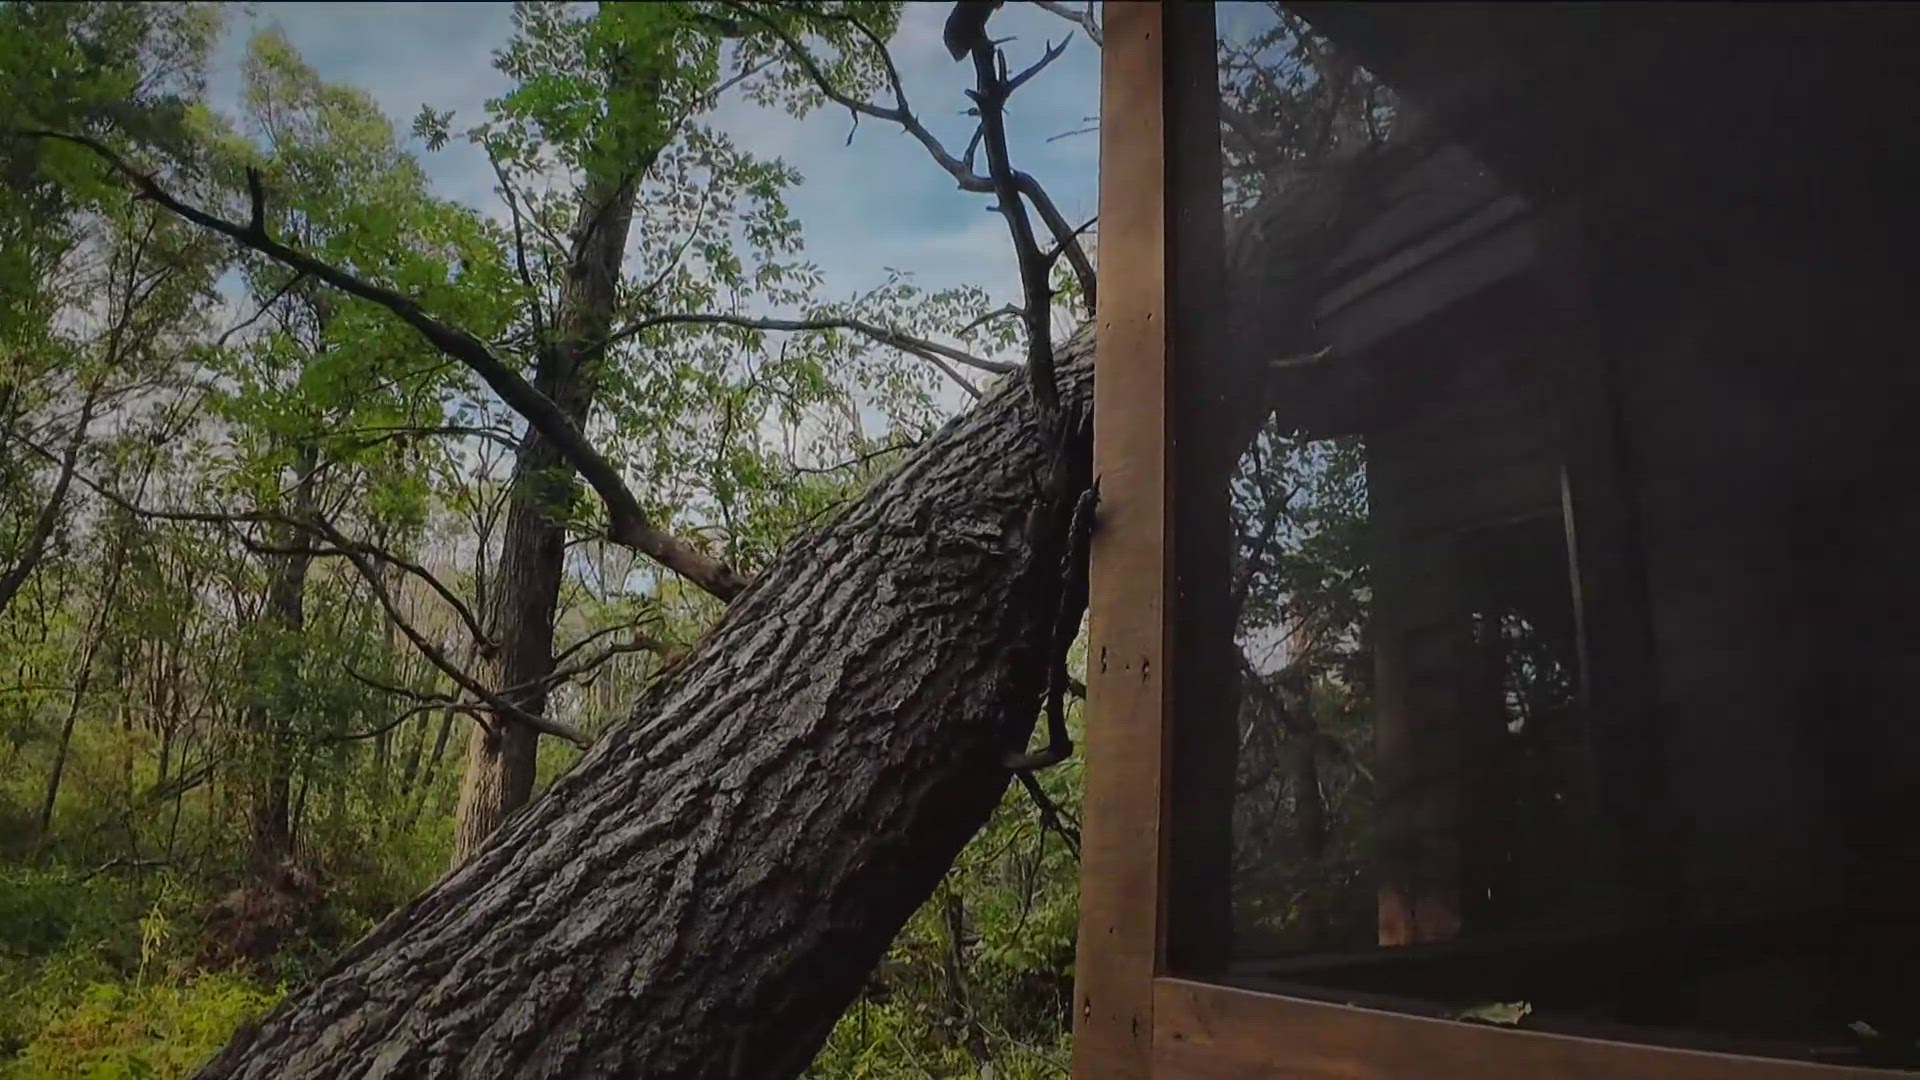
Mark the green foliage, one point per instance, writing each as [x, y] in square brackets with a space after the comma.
[189, 648]
[600, 90]
[1004, 983]
[95, 978]
[121, 70]
[151, 1031]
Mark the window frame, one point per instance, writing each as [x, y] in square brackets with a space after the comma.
[1131, 1018]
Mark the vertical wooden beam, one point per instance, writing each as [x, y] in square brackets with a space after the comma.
[1606, 547]
[1120, 866]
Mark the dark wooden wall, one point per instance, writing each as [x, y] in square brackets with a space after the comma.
[1769, 463]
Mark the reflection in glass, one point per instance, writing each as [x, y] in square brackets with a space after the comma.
[1508, 661]
[1288, 101]
[1375, 588]
[1304, 781]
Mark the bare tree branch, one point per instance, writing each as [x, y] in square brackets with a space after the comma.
[629, 525]
[1051, 816]
[678, 258]
[364, 438]
[737, 78]
[961, 169]
[1062, 234]
[997, 313]
[343, 546]
[544, 724]
[1083, 19]
[615, 628]
[1088, 130]
[121, 862]
[884, 335]
[971, 390]
[858, 459]
[1053, 254]
[374, 733]
[639, 643]
[973, 146]
[1053, 52]
[49, 516]
[265, 305]
[535, 304]
[990, 97]
[500, 706]
[182, 782]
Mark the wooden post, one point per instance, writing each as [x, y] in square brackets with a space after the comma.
[1120, 867]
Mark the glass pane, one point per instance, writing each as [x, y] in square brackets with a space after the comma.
[1378, 639]
[1518, 657]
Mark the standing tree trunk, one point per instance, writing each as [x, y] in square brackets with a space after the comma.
[82, 683]
[422, 789]
[500, 758]
[705, 892]
[410, 758]
[953, 962]
[270, 815]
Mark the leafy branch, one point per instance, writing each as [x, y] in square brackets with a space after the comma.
[629, 523]
[931, 351]
[361, 556]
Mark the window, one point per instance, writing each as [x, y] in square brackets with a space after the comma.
[1391, 775]
[1381, 646]
[1486, 695]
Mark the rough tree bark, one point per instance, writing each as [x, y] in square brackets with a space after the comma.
[705, 892]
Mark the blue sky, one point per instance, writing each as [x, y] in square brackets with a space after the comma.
[880, 202]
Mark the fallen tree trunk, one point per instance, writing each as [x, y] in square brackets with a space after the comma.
[704, 893]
